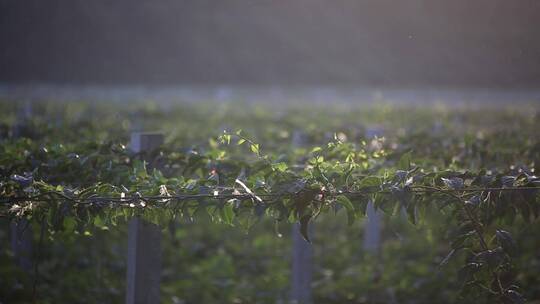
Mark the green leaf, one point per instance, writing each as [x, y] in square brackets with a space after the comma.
[411, 212]
[69, 224]
[514, 296]
[345, 202]
[404, 162]
[505, 240]
[454, 183]
[493, 258]
[99, 223]
[281, 167]
[382, 202]
[304, 226]
[370, 181]
[254, 148]
[466, 272]
[228, 213]
[315, 149]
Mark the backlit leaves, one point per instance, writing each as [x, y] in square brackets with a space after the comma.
[96, 188]
[346, 203]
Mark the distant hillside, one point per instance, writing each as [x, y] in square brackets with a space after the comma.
[488, 43]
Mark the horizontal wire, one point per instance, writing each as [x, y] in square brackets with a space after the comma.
[183, 197]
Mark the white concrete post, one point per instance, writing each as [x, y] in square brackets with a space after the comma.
[302, 267]
[144, 242]
[302, 256]
[372, 227]
[21, 244]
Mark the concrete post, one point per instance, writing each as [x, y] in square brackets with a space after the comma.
[144, 242]
[302, 255]
[372, 228]
[21, 244]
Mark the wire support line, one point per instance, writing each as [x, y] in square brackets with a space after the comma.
[46, 197]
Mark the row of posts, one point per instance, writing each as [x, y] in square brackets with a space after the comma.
[144, 240]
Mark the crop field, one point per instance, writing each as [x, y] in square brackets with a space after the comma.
[395, 204]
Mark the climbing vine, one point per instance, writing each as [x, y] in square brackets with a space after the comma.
[234, 182]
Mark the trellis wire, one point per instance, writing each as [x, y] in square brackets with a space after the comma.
[241, 196]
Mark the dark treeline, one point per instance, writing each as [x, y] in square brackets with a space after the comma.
[488, 43]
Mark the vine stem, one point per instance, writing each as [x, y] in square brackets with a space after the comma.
[468, 212]
[252, 143]
[475, 223]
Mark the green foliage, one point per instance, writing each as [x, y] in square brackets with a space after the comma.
[88, 187]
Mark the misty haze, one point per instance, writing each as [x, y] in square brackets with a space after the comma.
[268, 151]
